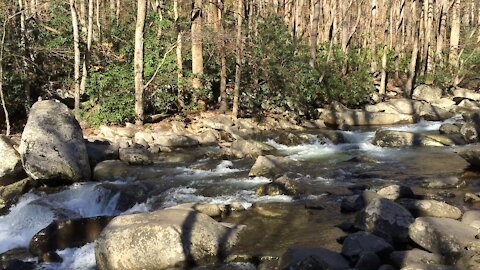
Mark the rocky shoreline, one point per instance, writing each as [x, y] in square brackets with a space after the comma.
[393, 228]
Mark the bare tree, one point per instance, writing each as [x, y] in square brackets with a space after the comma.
[314, 19]
[197, 47]
[180, 95]
[88, 51]
[414, 56]
[76, 48]
[454, 34]
[238, 61]
[138, 61]
[223, 58]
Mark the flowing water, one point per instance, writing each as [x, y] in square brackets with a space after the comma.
[325, 172]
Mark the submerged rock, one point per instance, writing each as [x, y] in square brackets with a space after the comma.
[11, 169]
[161, 240]
[385, 218]
[443, 182]
[313, 257]
[447, 128]
[52, 145]
[67, 233]
[136, 156]
[442, 235]
[280, 186]
[363, 243]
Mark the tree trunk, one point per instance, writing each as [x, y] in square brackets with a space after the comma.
[441, 34]
[88, 51]
[413, 59]
[238, 70]
[454, 35]
[383, 78]
[76, 47]
[180, 85]
[427, 48]
[197, 47]
[223, 60]
[23, 45]
[138, 61]
[99, 26]
[2, 97]
[315, 16]
[373, 42]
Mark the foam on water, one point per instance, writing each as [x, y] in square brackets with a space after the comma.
[34, 212]
[305, 151]
[223, 168]
[82, 258]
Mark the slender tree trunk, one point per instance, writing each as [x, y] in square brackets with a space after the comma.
[180, 85]
[2, 97]
[138, 60]
[23, 45]
[76, 47]
[99, 26]
[197, 47]
[117, 11]
[427, 48]
[454, 35]
[413, 59]
[383, 78]
[373, 43]
[238, 70]
[315, 16]
[442, 20]
[223, 59]
[86, 60]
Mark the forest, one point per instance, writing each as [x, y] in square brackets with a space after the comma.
[117, 61]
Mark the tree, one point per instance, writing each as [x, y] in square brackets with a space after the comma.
[76, 47]
[180, 95]
[454, 34]
[314, 18]
[138, 61]
[412, 68]
[238, 60]
[197, 47]
[223, 60]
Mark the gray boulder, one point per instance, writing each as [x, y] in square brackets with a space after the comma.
[11, 169]
[427, 93]
[447, 128]
[52, 145]
[174, 140]
[280, 186]
[408, 257]
[269, 166]
[395, 192]
[385, 218]
[471, 154]
[249, 148]
[472, 218]
[136, 156]
[319, 258]
[162, 240]
[364, 243]
[442, 235]
[431, 208]
[100, 151]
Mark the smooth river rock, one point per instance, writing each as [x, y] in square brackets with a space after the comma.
[431, 208]
[11, 169]
[269, 166]
[414, 256]
[442, 235]
[385, 218]
[362, 243]
[395, 192]
[162, 239]
[52, 145]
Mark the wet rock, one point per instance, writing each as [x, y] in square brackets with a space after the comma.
[319, 258]
[431, 208]
[128, 194]
[287, 138]
[365, 243]
[17, 265]
[50, 257]
[407, 257]
[162, 239]
[423, 266]
[52, 146]
[249, 148]
[395, 192]
[280, 186]
[427, 93]
[368, 261]
[332, 136]
[443, 182]
[447, 128]
[270, 166]
[111, 170]
[352, 203]
[470, 132]
[441, 235]
[67, 233]
[471, 198]
[472, 218]
[136, 156]
[100, 151]
[395, 138]
[386, 267]
[209, 209]
[386, 219]
[471, 154]
[173, 140]
[11, 169]
[9, 194]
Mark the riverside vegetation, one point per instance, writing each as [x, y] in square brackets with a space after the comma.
[321, 135]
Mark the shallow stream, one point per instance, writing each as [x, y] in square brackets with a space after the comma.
[326, 172]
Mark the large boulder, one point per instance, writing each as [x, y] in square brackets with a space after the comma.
[466, 93]
[174, 140]
[11, 169]
[136, 156]
[401, 105]
[270, 166]
[471, 154]
[161, 240]
[364, 118]
[394, 192]
[442, 235]
[431, 208]
[52, 145]
[397, 138]
[361, 243]
[385, 218]
[249, 148]
[404, 258]
[427, 93]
